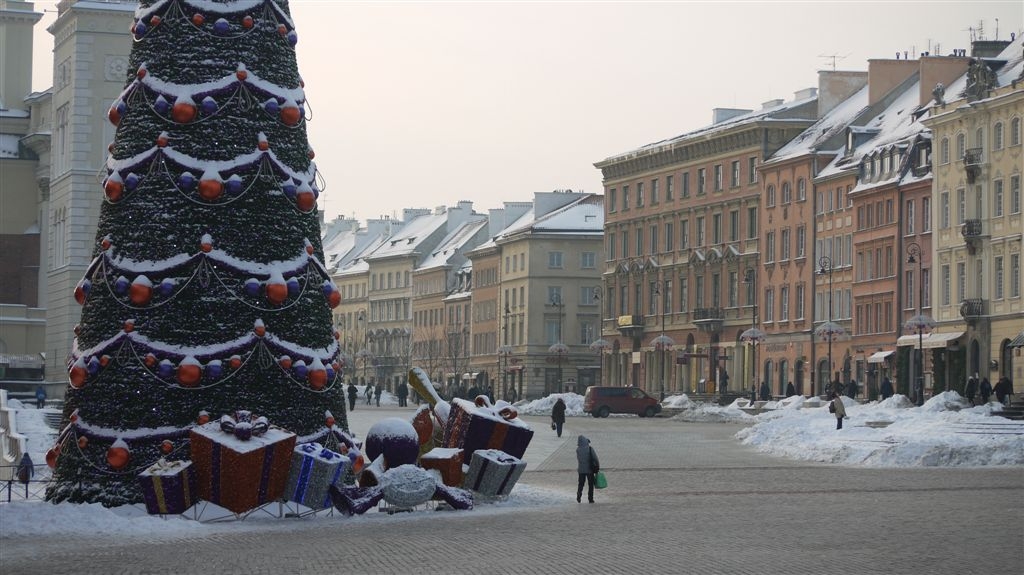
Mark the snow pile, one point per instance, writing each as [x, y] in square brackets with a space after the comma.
[542, 406]
[946, 431]
[715, 413]
[678, 402]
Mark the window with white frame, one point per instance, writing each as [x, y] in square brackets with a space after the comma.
[654, 238]
[718, 178]
[1015, 132]
[655, 192]
[944, 210]
[1014, 275]
[926, 285]
[670, 190]
[734, 179]
[799, 311]
[945, 285]
[961, 281]
[944, 151]
[910, 288]
[784, 303]
[769, 247]
[908, 222]
[588, 260]
[787, 193]
[752, 169]
[997, 136]
[801, 190]
[769, 195]
[555, 260]
[961, 205]
[612, 197]
[769, 305]
[734, 287]
[926, 214]
[670, 236]
[700, 231]
[1015, 194]
[784, 244]
[702, 179]
[801, 241]
[639, 194]
[961, 146]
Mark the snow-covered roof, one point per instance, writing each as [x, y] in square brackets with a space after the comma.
[455, 243]
[407, 240]
[784, 111]
[828, 127]
[583, 216]
[1012, 55]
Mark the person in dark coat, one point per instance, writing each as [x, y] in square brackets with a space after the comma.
[26, 469]
[558, 415]
[972, 389]
[587, 465]
[837, 386]
[766, 392]
[377, 393]
[723, 378]
[753, 394]
[790, 390]
[1003, 390]
[353, 394]
[985, 390]
[403, 393]
[852, 389]
[886, 388]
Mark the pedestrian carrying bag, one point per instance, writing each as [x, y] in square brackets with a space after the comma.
[832, 407]
[600, 481]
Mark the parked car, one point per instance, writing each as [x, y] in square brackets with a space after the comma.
[600, 401]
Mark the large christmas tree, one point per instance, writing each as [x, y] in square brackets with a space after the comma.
[207, 293]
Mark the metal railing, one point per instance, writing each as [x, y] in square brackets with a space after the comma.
[14, 490]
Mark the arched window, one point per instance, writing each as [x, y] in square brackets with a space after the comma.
[770, 195]
[801, 189]
[961, 146]
[997, 136]
[944, 151]
[1015, 132]
[787, 193]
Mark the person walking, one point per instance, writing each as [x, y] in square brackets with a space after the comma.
[985, 390]
[558, 416]
[377, 393]
[886, 389]
[838, 409]
[403, 394]
[766, 392]
[790, 390]
[971, 390]
[353, 394]
[587, 465]
[369, 393]
[26, 469]
[40, 397]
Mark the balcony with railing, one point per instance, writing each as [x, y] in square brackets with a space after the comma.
[973, 232]
[973, 162]
[709, 319]
[972, 308]
[630, 325]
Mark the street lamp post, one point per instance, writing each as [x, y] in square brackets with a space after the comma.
[825, 266]
[920, 322]
[601, 344]
[556, 300]
[753, 336]
[662, 343]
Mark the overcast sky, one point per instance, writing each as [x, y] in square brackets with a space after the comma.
[421, 104]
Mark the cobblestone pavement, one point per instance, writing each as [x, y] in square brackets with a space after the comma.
[683, 498]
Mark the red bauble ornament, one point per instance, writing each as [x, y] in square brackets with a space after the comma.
[241, 74]
[104, 360]
[113, 187]
[358, 464]
[210, 190]
[189, 372]
[166, 446]
[290, 114]
[114, 116]
[78, 374]
[83, 442]
[310, 154]
[129, 325]
[161, 140]
[247, 22]
[150, 360]
[258, 328]
[141, 291]
[282, 29]
[317, 378]
[235, 361]
[203, 418]
[206, 243]
[141, 72]
[285, 362]
[105, 243]
[118, 454]
[198, 19]
[183, 112]
[277, 290]
[155, 20]
[330, 420]
[51, 456]
[334, 299]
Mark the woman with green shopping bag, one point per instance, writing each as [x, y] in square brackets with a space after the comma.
[588, 465]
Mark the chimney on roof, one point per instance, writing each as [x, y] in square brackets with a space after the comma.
[771, 103]
[805, 94]
[988, 48]
[939, 70]
[719, 115]
[885, 74]
[835, 86]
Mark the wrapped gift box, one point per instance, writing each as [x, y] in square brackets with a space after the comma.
[492, 472]
[314, 470]
[448, 461]
[241, 475]
[471, 428]
[169, 487]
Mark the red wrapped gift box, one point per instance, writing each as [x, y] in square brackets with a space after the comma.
[168, 487]
[448, 461]
[471, 428]
[241, 475]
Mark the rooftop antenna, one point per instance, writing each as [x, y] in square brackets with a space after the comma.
[833, 57]
[971, 30]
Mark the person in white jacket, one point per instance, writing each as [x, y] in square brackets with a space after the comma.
[839, 409]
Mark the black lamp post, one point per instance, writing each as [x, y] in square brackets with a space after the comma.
[559, 348]
[753, 336]
[662, 343]
[503, 352]
[826, 330]
[920, 322]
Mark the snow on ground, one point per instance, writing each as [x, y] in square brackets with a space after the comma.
[945, 431]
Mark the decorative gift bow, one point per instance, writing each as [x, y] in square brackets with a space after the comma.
[243, 426]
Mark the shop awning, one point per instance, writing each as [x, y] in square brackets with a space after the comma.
[880, 356]
[1017, 341]
[930, 340]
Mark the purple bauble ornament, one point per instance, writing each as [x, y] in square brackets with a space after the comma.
[166, 369]
[293, 38]
[208, 105]
[234, 184]
[293, 287]
[131, 181]
[300, 369]
[214, 369]
[161, 105]
[272, 107]
[221, 26]
[121, 285]
[94, 365]
[289, 189]
[252, 287]
[167, 287]
[186, 181]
